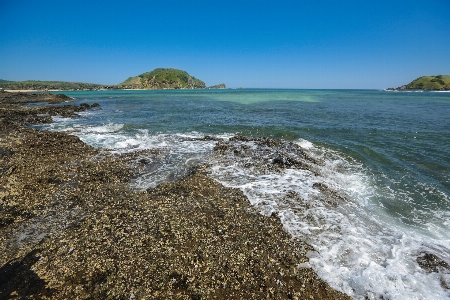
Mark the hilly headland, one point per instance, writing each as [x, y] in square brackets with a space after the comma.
[158, 79]
[430, 83]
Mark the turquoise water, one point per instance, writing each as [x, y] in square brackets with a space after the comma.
[388, 151]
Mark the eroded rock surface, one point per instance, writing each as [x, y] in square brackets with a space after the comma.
[71, 227]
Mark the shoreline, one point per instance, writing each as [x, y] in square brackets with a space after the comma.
[71, 227]
[24, 91]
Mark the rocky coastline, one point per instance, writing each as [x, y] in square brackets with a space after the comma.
[72, 228]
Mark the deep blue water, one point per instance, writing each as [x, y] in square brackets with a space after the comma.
[389, 151]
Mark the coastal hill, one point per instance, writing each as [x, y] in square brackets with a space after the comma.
[155, 80]
[39, 85]
[160, 78]
[432, 83]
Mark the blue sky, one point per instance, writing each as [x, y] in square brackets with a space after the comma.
[263, 44]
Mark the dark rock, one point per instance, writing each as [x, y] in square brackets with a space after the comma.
[329, 196]
[5, 152]
[432, 263]
[22, 98]
[17, 279]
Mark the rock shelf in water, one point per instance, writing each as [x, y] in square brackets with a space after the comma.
[71, 227]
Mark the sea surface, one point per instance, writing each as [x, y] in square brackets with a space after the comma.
[387, 153]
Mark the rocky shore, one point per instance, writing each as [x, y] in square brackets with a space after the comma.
[72, 228]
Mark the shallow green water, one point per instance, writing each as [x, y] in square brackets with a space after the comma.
[398, 143]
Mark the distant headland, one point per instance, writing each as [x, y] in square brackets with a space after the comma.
[158, 79]
[429, 83]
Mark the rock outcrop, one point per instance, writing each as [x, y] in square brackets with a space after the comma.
[218, 86]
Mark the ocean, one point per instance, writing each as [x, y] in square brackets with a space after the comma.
[387, 154]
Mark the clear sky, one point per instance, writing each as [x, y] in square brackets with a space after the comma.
[263, 44]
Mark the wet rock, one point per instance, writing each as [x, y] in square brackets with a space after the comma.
[21, 98]
[74, 229]
[432, 263]
[266, 154]
[330, 196]
[85, 105]
[263, 145]
[288, 162]
[14, 115]
[207, 138]
[5, 152]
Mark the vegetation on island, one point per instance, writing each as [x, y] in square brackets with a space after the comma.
[158, 79]
[51, 85]
[432, 83]
[161, 78]
[218, 86]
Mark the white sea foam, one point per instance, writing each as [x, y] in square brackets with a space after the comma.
[107, 128]
[358, 249]
[178, 153]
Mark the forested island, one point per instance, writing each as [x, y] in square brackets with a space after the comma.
[431, 83]
[158, 79]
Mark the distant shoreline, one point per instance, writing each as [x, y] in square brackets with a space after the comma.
[49, 91]
[23, 91]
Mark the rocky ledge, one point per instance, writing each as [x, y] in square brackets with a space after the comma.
[71, 227]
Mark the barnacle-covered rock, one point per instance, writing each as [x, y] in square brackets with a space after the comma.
[72, 228]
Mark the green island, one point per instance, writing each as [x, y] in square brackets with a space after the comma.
[431, 83]
[158, 79]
